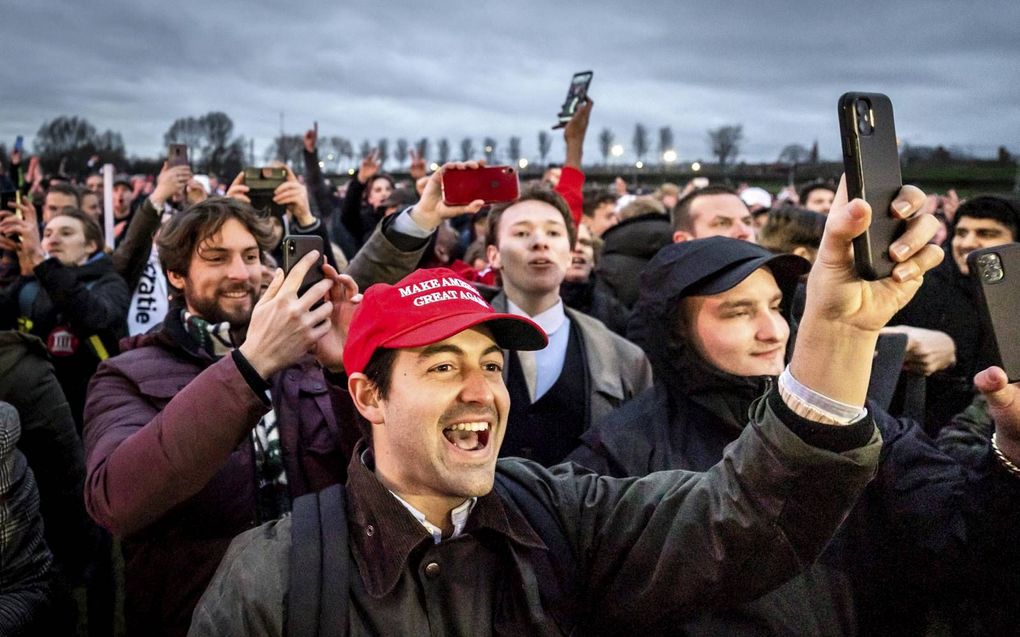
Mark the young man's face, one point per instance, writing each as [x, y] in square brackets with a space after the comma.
[437, 433]
[741, 331]
[719, 215]
[55, 202]
[602, 218]
[972, 234]
[534, 249]
[64, 238]
[582, 259]
[223, 277]
[122, 196]
[820, 200]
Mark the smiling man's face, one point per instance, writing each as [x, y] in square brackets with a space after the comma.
[437, 432]
[741, 331]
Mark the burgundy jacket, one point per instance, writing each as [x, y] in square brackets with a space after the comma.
[170, 465]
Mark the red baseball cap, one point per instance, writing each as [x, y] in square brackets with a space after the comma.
[426, 307]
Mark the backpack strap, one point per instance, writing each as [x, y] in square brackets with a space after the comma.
[319, 566]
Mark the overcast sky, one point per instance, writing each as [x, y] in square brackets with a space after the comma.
[367, 70]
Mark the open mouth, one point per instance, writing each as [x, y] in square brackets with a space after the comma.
[236, 294]
[468, 436]
[579, 261]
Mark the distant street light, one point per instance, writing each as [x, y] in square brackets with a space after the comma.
[433, 166]
[523, 163]
[696, 166]
[488, 149]
[669, 156]
[616, 150]
[639, 164]
[329, 156]
[350, 171]
[322, 164]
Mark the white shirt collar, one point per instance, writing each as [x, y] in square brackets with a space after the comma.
[550, 320]
[458, 516]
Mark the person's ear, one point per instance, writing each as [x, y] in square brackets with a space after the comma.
[175, 279]
[492, 252]
[682, 235]
[365, 395]
[805, 252]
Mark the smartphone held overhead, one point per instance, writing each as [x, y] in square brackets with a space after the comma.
[177, 155]
[491, 184]
[577, 94]
[872, 166]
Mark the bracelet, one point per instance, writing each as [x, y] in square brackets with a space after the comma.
[1005, 462]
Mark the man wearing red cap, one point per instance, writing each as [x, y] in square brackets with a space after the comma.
[440, 538]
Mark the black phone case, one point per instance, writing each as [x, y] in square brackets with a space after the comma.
[872, 167]
[998, 282]
[302, 245]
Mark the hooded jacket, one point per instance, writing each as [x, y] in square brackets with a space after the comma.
[902, 544]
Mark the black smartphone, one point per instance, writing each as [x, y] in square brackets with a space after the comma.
[262, 182]
[295, 247]
[177, 155]
[996, 273]
[872, 166]
[577, 94]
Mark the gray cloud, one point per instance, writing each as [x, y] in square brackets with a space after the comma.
[468, 69]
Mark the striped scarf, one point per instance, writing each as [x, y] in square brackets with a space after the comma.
[272, 495]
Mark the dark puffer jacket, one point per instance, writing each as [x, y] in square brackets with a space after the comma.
[84, 301]
[627, 247]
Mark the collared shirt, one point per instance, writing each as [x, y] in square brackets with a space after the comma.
[459, 516]
[542, 367]
[384, 533]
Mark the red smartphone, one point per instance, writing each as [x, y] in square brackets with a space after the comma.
[492, 184]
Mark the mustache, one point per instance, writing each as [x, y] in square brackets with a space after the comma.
[466, 412]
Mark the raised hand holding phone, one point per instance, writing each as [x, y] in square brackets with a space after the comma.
[431, 210]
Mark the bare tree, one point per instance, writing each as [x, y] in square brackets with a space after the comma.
[665, 141]
[489, 149]
[402, 148]
[793, 154]
[384, 150]
[467, 149]
[725, 143]
[640, 141]
[444, 151]
[606, 139]
[422, 147]
[514, 149]
[289, 149]
[544, 144]
[366, 149]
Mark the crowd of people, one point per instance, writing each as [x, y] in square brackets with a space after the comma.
[585, 411]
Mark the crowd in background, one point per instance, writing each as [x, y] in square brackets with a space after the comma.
[85, 541]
